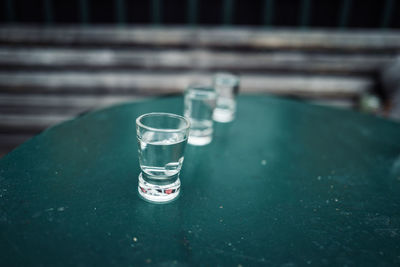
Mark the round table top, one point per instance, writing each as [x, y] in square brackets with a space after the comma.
[286, 183]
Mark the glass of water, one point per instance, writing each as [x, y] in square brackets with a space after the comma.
[227, 87]
[162, 138]
[200, 102]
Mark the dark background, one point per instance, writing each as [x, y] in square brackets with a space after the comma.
[280, 13]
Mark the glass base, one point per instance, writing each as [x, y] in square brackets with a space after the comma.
[199, 140]
[223, 115]
[158, 193]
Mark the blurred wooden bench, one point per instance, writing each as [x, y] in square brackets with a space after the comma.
[50, 74]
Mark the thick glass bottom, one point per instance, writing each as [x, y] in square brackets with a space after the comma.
[223, 115]
[199, 140]
[156, 193]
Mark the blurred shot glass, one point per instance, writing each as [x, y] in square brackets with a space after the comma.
[227, 87]
[162, 138]
[200, 102]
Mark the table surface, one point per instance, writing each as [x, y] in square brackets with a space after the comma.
[285, 184]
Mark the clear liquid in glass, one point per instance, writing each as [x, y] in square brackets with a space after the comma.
[227, 87]
[161, 159]
[199, 107]
[225, 110]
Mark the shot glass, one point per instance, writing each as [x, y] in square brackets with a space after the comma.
[227, 87]
[162, 138]
[200, 102]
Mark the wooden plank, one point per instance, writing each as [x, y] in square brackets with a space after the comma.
[33, 113]
[58, 104]
[9, 141]
[29, 122]
[60, 101]
[390, 81]
[161, 83]
[307, 86]
[42, 110]
[199, 59]
[336, 103]
[250, 38]
[12, 140]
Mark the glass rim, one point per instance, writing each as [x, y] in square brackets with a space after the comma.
[203, 90]
[200, 87]
[226, 79]
[166, 130]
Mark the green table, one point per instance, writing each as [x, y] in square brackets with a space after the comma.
[285, 184]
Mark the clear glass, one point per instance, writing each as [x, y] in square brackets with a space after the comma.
[200, 102]
[162, 138]
[227, 87]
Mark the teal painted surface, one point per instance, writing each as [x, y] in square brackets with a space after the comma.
[285, 183]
